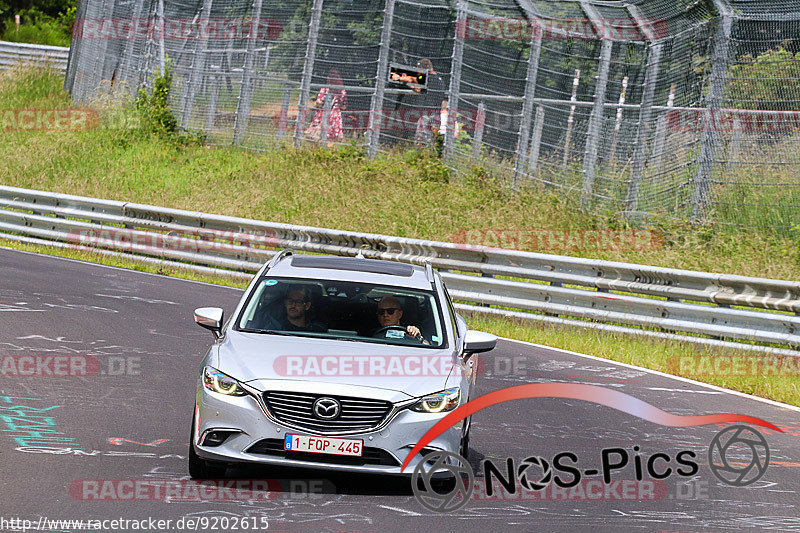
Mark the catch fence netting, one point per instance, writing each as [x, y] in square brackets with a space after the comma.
[658, 109]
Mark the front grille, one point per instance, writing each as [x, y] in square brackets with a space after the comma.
[370, 456]
[295, 408]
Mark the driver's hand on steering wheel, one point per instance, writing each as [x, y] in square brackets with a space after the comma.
[416, 333]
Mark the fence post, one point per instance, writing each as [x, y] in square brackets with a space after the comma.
[735, 147]
[198, 64]
[618, 121]
[527, 106]
[284, 117]
[574, 98]
[536, 140]
[162, 27]
[645, 115]
[708, 139]
[661, 131]
[595, 125]
[126, 64]
[308, 70]
[102, 54]
[76, 54]
[455, 81]
[212, 99]
[376, 105]
[326, 116]
[480, 123]
[246, 89]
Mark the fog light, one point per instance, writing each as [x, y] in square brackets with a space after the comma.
[216, 437]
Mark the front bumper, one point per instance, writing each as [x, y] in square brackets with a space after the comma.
[258, 436]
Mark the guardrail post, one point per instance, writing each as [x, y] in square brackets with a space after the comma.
[308, 71]
[246, 89]
[455, 83]
[284, 117]
[708, 139]
[536, 140]
[527, 105]
[376, 105]
[645, 115]
[595, 125]
[198, 63]
[480, 123]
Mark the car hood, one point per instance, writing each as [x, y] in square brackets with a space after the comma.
[272, 361]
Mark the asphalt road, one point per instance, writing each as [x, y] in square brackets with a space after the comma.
[72, 446]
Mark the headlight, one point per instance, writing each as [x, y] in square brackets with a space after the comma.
[216, 381]
[441, 402]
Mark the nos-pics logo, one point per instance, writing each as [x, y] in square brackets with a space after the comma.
[444, 481]
[737, 456]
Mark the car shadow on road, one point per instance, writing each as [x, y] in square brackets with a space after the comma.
[329, 482]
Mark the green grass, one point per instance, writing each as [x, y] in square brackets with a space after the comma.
[407, 194]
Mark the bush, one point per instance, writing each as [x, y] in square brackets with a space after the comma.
[40, 28]
[156, 116]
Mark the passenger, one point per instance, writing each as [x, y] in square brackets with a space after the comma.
[390, 312]
[298, 316]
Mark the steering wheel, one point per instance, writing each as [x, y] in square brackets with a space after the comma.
[381, 331]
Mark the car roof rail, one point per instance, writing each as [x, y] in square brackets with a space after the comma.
[277, 258]
[429, 272]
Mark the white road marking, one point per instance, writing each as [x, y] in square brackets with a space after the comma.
[405, 511]
[685, 390]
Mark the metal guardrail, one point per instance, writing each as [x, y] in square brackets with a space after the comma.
[621, 297]
[22, 53]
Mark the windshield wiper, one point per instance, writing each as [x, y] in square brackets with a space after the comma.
[350, 339]
[267, 332]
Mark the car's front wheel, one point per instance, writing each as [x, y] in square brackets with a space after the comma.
[200, 468]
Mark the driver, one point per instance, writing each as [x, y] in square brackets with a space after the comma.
[390, 312]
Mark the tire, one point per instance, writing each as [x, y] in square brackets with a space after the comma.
[200, 468]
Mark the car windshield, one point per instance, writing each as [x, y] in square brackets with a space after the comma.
[344, 310]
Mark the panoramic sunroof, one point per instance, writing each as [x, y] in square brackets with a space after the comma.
[354, 264]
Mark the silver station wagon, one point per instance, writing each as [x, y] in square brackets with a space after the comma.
[336, 363]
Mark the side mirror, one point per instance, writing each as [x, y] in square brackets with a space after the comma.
[478, 342]
[210, 318]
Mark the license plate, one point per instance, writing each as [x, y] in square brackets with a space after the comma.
[327, 445]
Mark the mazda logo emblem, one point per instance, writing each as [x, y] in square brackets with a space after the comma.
[327, 408]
